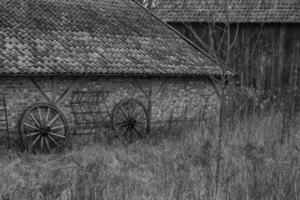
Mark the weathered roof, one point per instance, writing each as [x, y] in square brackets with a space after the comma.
[92, 37]
[240, 11]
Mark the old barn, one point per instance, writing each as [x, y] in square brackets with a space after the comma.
[264, 35]
[68, 67]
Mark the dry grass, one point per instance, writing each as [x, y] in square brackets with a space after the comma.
[254, 166]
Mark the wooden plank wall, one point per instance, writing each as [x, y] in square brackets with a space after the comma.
[265, 56]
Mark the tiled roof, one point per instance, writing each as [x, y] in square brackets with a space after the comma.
[92, 37]
[240, 11]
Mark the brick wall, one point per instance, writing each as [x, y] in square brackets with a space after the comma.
[172, 96]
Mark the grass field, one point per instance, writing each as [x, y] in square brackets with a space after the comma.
[254, 165]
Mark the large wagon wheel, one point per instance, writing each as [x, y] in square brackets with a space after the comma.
[130, 120]
[43, 128]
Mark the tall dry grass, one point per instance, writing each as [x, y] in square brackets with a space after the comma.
[254, 165]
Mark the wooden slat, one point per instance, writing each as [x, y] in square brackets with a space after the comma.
[41, 90]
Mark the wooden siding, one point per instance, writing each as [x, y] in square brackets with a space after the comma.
[265, 56]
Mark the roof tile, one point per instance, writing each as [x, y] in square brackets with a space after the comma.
[240, 11]
[92, 37]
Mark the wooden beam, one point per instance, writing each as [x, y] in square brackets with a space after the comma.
[164, 82]
[53, 89]
[41, 90]
[213, 84]
[65, 91]
[139, 84]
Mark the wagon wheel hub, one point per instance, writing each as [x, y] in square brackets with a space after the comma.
[132, 123]
[44, 131]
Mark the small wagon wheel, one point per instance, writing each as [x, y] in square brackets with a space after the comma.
[130, 120]
[43, 128]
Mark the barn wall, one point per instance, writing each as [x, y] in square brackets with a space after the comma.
[179, 96]
[265, 56]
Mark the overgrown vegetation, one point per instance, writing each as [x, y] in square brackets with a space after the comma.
[254, 165]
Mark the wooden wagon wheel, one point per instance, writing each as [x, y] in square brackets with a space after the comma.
[43, 128]
[130, 120]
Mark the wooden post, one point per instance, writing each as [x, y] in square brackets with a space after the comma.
[295, 85]
[282, 36]
[149, 107]
[6, 123]
[247, 59]
[53, 89]
[274, 58]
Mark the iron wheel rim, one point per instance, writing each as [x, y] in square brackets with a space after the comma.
[43, 128]
[130, 120]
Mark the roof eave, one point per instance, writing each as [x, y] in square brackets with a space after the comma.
[104, 75]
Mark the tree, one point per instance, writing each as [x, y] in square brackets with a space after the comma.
[148, 3]
[221, 42]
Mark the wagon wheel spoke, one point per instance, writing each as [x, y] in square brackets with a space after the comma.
[134, 109]
[54, 141]
[57, 135]
[53, 120]
[40, 115]
[124, 126]
[35, 141]
[121, 127]
[137, 132]
[125, 133]
[35, 120]
[42, 143]
[126, 108]
[31, 126]
[123, 112]
[131, 109]
[130, 137]
[118, 117]
[32, 134]
[47, 143]
[57, 127]
[48, 113]
[121, 123]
